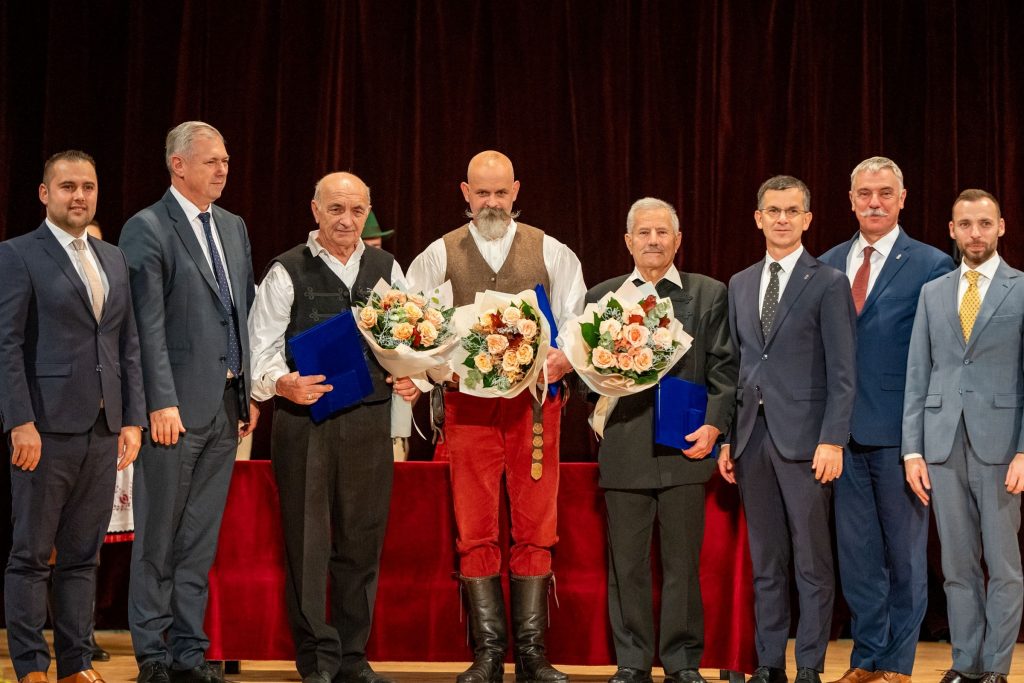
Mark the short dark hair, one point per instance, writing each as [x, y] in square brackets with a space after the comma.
[67, 155]
[975, 195]
[783, 182]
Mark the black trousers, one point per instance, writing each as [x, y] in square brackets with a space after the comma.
[334, 481]
[64, 503]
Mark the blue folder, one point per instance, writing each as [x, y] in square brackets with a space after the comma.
[680, 407]
[545, 307]
[333, 348]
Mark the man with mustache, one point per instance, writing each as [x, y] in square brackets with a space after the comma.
[488, 438]
[881, 529]
[643, 480]
[963, 447]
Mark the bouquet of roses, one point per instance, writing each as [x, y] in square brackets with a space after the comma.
[410, 333]
[505, 340]
[624, 344]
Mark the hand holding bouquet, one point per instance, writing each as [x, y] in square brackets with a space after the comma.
[505, 341]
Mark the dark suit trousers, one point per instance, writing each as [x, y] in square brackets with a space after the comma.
[631, 516]
[977, 517]
[64, 503]
[334, 481]
[179, 492]
[882, 539]
[787, 523]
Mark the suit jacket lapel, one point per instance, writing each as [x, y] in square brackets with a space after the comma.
[896, 259]
[1000, 286]
[798, 279]
[233, 256]
[52, 247]
[188, 238]
[950, 284]
[747, 306]
[109, 269]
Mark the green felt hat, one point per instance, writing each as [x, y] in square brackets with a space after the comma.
[372, 228]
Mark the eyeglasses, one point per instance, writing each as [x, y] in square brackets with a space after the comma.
[774, 212]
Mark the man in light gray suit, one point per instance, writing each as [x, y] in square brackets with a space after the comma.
[962, 442]
[192, 285]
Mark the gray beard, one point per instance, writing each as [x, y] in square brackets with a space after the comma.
[492, 223]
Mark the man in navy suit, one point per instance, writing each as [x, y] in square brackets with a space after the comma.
[794, 327]
[881, 528]
[71, 403]
[192, 284]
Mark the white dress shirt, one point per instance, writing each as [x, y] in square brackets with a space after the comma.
[672, 275]
[788, 263]
[987, 270]
[66, 240]
[883, 247]
[192, 214]
[564, 270]
[271, 313]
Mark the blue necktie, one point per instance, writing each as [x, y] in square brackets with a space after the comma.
[234, 348]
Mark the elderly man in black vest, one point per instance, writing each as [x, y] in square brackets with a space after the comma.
[644, 480]
[334, 477]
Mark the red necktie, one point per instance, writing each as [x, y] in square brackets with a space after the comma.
[860, 280]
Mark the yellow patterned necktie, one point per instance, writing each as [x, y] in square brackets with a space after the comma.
[970, 304]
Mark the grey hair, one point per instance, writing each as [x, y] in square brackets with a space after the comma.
[874, 165]
[783, 182]
[651, 204]
[180, 138]
[319, 183]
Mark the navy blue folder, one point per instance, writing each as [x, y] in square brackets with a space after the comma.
[545, 307]
[680, 407]
[333, 348]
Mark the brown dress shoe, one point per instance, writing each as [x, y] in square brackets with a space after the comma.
[34, 677]
[855, 675]
[87, 676]
[889, 677]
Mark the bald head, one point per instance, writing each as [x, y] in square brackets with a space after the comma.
[490, 189]
[349, 182]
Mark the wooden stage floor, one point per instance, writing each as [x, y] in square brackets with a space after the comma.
[932, 660]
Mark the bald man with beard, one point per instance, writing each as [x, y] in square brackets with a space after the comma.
[487, 438]
[334, 477]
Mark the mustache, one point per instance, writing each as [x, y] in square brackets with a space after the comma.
[874, 213]
[496, 213]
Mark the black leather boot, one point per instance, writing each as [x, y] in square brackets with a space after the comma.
[529, 623]
[487, 624]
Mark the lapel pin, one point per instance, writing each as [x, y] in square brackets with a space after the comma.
[807, 276]
[899, 256]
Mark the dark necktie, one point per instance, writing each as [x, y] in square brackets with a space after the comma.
[234, 357]
[771, 299]
[860, 280]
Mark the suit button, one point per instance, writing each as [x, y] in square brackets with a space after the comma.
[99, 368]
[967, 361]
[223, 359]
[224, 323]
[764, 357]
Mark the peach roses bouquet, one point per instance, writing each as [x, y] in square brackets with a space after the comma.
[410, 333]
[505, 340]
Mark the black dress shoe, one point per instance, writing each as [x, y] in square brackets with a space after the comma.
[807, 675]
[685, 676]
[154, 672]
[362, 673]
[98, 653]
[204, 673]
[992, 677]
[954, 676]
[317, 677]
[768, 674]
[625, 674]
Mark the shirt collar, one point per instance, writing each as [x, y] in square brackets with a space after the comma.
[63, 236]
[191, 210]
[672, 275]
[883, 246]
[787, 262]
[318, 249]
[987, 269]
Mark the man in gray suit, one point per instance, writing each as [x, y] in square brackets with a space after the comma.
[71, 404]
[794, 326]
[962, 413]
[192, 282]
[643, 480]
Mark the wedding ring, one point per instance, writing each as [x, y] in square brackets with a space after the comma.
[309, 397]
